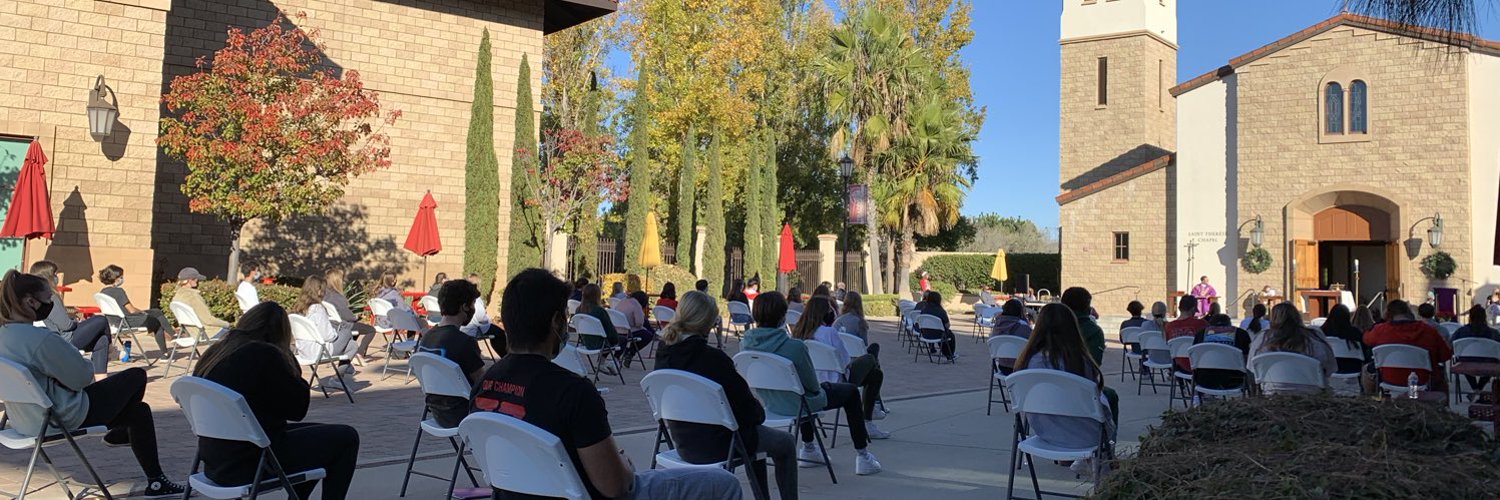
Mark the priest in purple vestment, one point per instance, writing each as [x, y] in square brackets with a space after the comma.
[1205, 294]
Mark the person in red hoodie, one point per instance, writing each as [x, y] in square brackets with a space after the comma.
[1187, 324]
[1402, 327]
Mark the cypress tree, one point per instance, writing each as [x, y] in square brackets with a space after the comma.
[525, 244]
[770, 205]
[482, 177]
[639, 201]
[687, 187]
[713, 218]
[754, 252]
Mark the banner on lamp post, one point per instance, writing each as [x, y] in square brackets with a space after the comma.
[859, 204]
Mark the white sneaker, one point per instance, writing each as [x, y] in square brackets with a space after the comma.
[875, 432]
[865, 463]
[878, 414]
[808, 456]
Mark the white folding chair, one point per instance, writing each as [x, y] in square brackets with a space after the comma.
[622, 328]
[852, 343]
[1448, 329]
[338, 323]
[907, 333]
[930, 333]
[1156, 360]
[434, 309]
[18, 387]
[1004, 350]
[1317, 322]
[438, 376]
[122, 330]
[984, 319]
[403, 320]
[382, 308]
[568, 358]
[1130, 342]
[1473, 348]
[1287, 368]
[519, 457]
[825, 358]
[681, 396]
[792, 317]
[770, 372]
[573, 306]
[1342, 350]
[189, 321]
[1181, 382]
[1054, 392]
[589, 326]
[1216, 357]
[311, 351]
[1401, 356]
[214, 411]
[742, 311]
[664, 316]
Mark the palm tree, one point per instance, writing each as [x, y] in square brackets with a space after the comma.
[1455, 16]
[869, 70]
[925, 186]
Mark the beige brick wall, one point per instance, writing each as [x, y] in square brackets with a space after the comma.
[50, 53]
[1140, 111]
[420, 57]
[1418, 152]
[1140, 207]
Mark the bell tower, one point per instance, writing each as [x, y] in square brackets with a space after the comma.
[1119, 61]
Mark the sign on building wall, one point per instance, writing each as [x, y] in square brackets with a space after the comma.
[859, 204]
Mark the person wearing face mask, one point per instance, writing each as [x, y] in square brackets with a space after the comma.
[113, 278]
[527, 385]
[90, 335]
[77, 401]
[246, 292]
[447, 339]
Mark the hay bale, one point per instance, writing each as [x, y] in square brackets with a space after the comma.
[1310, 447]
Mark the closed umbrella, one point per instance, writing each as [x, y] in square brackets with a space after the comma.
[999, 271]
[650, 247]
[788, 260]
[423, 239]
[30, 213]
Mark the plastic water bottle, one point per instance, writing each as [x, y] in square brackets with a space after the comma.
[1197, 401]
[125, 354]
[1411, 386]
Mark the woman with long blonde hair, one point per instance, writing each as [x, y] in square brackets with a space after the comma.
[333, 294]
[687, 349]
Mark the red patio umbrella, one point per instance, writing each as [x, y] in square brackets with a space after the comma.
[423, 238]
[30, 213]
[788, 262]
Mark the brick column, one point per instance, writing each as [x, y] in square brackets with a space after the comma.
[698, 253]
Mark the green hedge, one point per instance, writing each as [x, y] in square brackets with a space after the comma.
[948, 290]
[219, 295]
[971, 272]
[881, 306]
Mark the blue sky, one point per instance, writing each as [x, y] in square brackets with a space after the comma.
[1016, 70]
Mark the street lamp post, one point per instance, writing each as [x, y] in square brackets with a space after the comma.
[846, 171]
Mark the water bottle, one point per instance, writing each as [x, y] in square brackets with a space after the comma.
[1197, 401]
[1411, 385]
[125, 354]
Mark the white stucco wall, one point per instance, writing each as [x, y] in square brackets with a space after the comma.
[1205, 199]
[1087, 18]
[1484, 164]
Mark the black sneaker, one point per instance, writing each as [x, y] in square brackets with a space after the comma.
[117, 438]
[162, 487]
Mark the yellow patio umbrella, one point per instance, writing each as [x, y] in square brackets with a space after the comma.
[999, 271]
[650, 249]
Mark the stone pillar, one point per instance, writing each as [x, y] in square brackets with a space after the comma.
[558, 256]
[828, 258]
[698, 254]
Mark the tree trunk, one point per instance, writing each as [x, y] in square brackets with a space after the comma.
[547, 247]
[235, 228]
[890, 266]
[908, 252]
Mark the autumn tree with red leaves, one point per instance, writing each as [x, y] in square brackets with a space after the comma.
[268, 134]
[575, 174]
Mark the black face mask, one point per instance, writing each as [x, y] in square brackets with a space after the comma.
[43, 310]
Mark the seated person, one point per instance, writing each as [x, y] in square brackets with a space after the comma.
[113, 277]
[668, 298]
[334, 296]
[437, 284]
[794, 299]
[932, 305]
[245, 292]
[701, 285]
[187, 293]
[1081, 302]
[641, 333]
[77, 400]
[864, 370]
[447, 339]
[737, 293]
[1057, 344]
[686, 348]
[1402, 327]
[852, 320]
[1428, 312]
[1012, 320]
[1339, 327]
[771, 337]
[1287, 334]
[1220, 330]
[1135, 308]
[340, 341]
[1478, 327]
[1257, 322]
[1187, 324]
[480, 327]
[255, 359]
[592, 305]
[526, 384]
[91, 335]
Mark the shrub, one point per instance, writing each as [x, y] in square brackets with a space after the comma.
[949, 291]
[678, 276]
[607, 282]
[970, 273]
[881, 306]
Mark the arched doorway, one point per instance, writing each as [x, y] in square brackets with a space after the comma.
[1347, 237]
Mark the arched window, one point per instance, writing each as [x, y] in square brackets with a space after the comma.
[1333, 109]
[1359, 121]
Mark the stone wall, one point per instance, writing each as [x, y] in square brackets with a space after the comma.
[51, 51]
[1417, 154]
[1141, 207]
[1137, 124]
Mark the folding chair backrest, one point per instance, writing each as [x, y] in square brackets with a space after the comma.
[439, 376]
[403, 319]
[381, 307]
[1287, 368]
[825, 358]
[683, 396]
[905, 305]
[764, 370]
[928, 322]
[663, 314]
[909, 317]
[792, 317]
[573, 306]
[1475, 347]
[739, 308]
[1179, 346]
[18, 386]
[214, 411]
[1342, 349]
[852, 343]
[588, 325]
[1216, 357]
[1402, 356]
[1005, 346]
[1152, 340]
[1131, 335]
[333, 313]
[1055, 392]
[568, 358]
[430, 303]
[108, 306]
[520, 457]
[1448, 329]
[185, 315]
[622, 323]
[1317, 322]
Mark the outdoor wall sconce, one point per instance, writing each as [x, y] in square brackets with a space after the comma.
[102, 110]
[1257, 232]
[1434, 233]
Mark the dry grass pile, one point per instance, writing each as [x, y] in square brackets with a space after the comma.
[1310, 447]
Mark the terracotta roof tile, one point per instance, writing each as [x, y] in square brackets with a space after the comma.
[1117, 179]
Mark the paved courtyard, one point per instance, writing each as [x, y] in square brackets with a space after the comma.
[943, 442]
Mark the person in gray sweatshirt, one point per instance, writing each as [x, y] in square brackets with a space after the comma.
[90, 335]
[62, 374]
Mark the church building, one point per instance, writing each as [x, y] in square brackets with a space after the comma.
[1349, 151]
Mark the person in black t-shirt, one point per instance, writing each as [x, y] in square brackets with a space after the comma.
[526, 384]
[447, 339]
